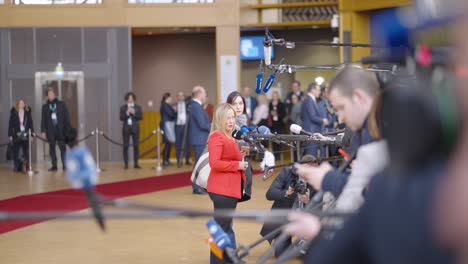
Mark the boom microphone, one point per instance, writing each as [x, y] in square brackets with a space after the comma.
[82, 173]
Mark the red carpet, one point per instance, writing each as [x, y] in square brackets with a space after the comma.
[74, 200]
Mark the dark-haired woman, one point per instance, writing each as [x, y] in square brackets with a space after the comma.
[20, 124]
[130, 114]
[167, 124]
[237, 101]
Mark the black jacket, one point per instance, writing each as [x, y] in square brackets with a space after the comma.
[14, 125]
[277, 193]
[393, 226]
[63, 118]
[135, 128]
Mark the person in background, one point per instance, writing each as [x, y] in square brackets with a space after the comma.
[295, 114]
[54, 123]
[295, 90]
[227, 168]
[130, 115]
[168, 115]
[199, 127]
[312, 119]
[260, 115]
[236, 100]
[250, 102]
[277, 113]
[179, 129]
[18, 128]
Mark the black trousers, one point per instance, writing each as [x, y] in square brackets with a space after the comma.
[24, 147]
[56, 138]
[179, 130]
[223, 202]
[135, 135]
[167, 149]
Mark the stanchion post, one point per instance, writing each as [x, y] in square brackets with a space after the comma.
[159, 132]
[298, 149]
[30, 170]
[97, 150]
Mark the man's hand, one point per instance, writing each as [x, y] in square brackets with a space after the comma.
[43, 135]
[10, 138]
[325, 122]
[314, 175]
[303, 225]
[131, 110]
[305, 198]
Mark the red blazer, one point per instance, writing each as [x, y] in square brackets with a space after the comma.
[224, 156]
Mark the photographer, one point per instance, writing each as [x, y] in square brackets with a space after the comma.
[287, 191]
[19, 125]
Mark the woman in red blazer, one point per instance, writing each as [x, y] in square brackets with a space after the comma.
[227, 168]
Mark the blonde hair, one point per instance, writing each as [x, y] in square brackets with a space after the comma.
[219, 117]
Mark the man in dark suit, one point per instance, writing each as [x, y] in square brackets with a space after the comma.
[312, 120]
[250, 102]
[199, 126]
[181, 121]
[285, 196]
[54, 124]
[130, 114]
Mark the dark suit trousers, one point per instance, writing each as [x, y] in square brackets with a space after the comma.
[179, 130]
[55, 137]
[17, 146]
[127, 133]
[223, 202]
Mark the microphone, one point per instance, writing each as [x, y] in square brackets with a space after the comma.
[220, 241]
[259, 79]
[297, 129]
[263, 130]
[269, 83]
[267, 49]
[82, 173]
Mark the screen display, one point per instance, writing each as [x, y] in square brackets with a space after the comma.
[251, 48]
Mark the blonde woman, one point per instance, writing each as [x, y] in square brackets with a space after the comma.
[227, 168]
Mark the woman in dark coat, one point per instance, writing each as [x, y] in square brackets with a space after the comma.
[19, 125]
[168, 117]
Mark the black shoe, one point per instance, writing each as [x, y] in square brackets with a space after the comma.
[188, 163]
[167, 163]
[126, 166]
[54, 168]
[199, 191]
[137, 167]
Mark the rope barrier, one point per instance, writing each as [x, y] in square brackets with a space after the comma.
[123, 145]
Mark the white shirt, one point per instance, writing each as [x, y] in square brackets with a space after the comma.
[181, 114]
[313, 97]
[261, 112]
[198, 101]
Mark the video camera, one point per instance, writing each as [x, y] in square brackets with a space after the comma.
[297, 183]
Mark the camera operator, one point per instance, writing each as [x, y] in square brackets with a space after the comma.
[287, 191]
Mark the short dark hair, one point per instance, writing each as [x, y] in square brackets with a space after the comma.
[127, 95]
[49, 89]
[165, 96]
[312, 86]
[232, 96]
[308, 159]
[352, 77]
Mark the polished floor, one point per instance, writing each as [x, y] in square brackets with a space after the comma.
[172, 240]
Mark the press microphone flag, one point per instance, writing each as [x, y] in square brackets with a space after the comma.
[82, 173]
[220, 238]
